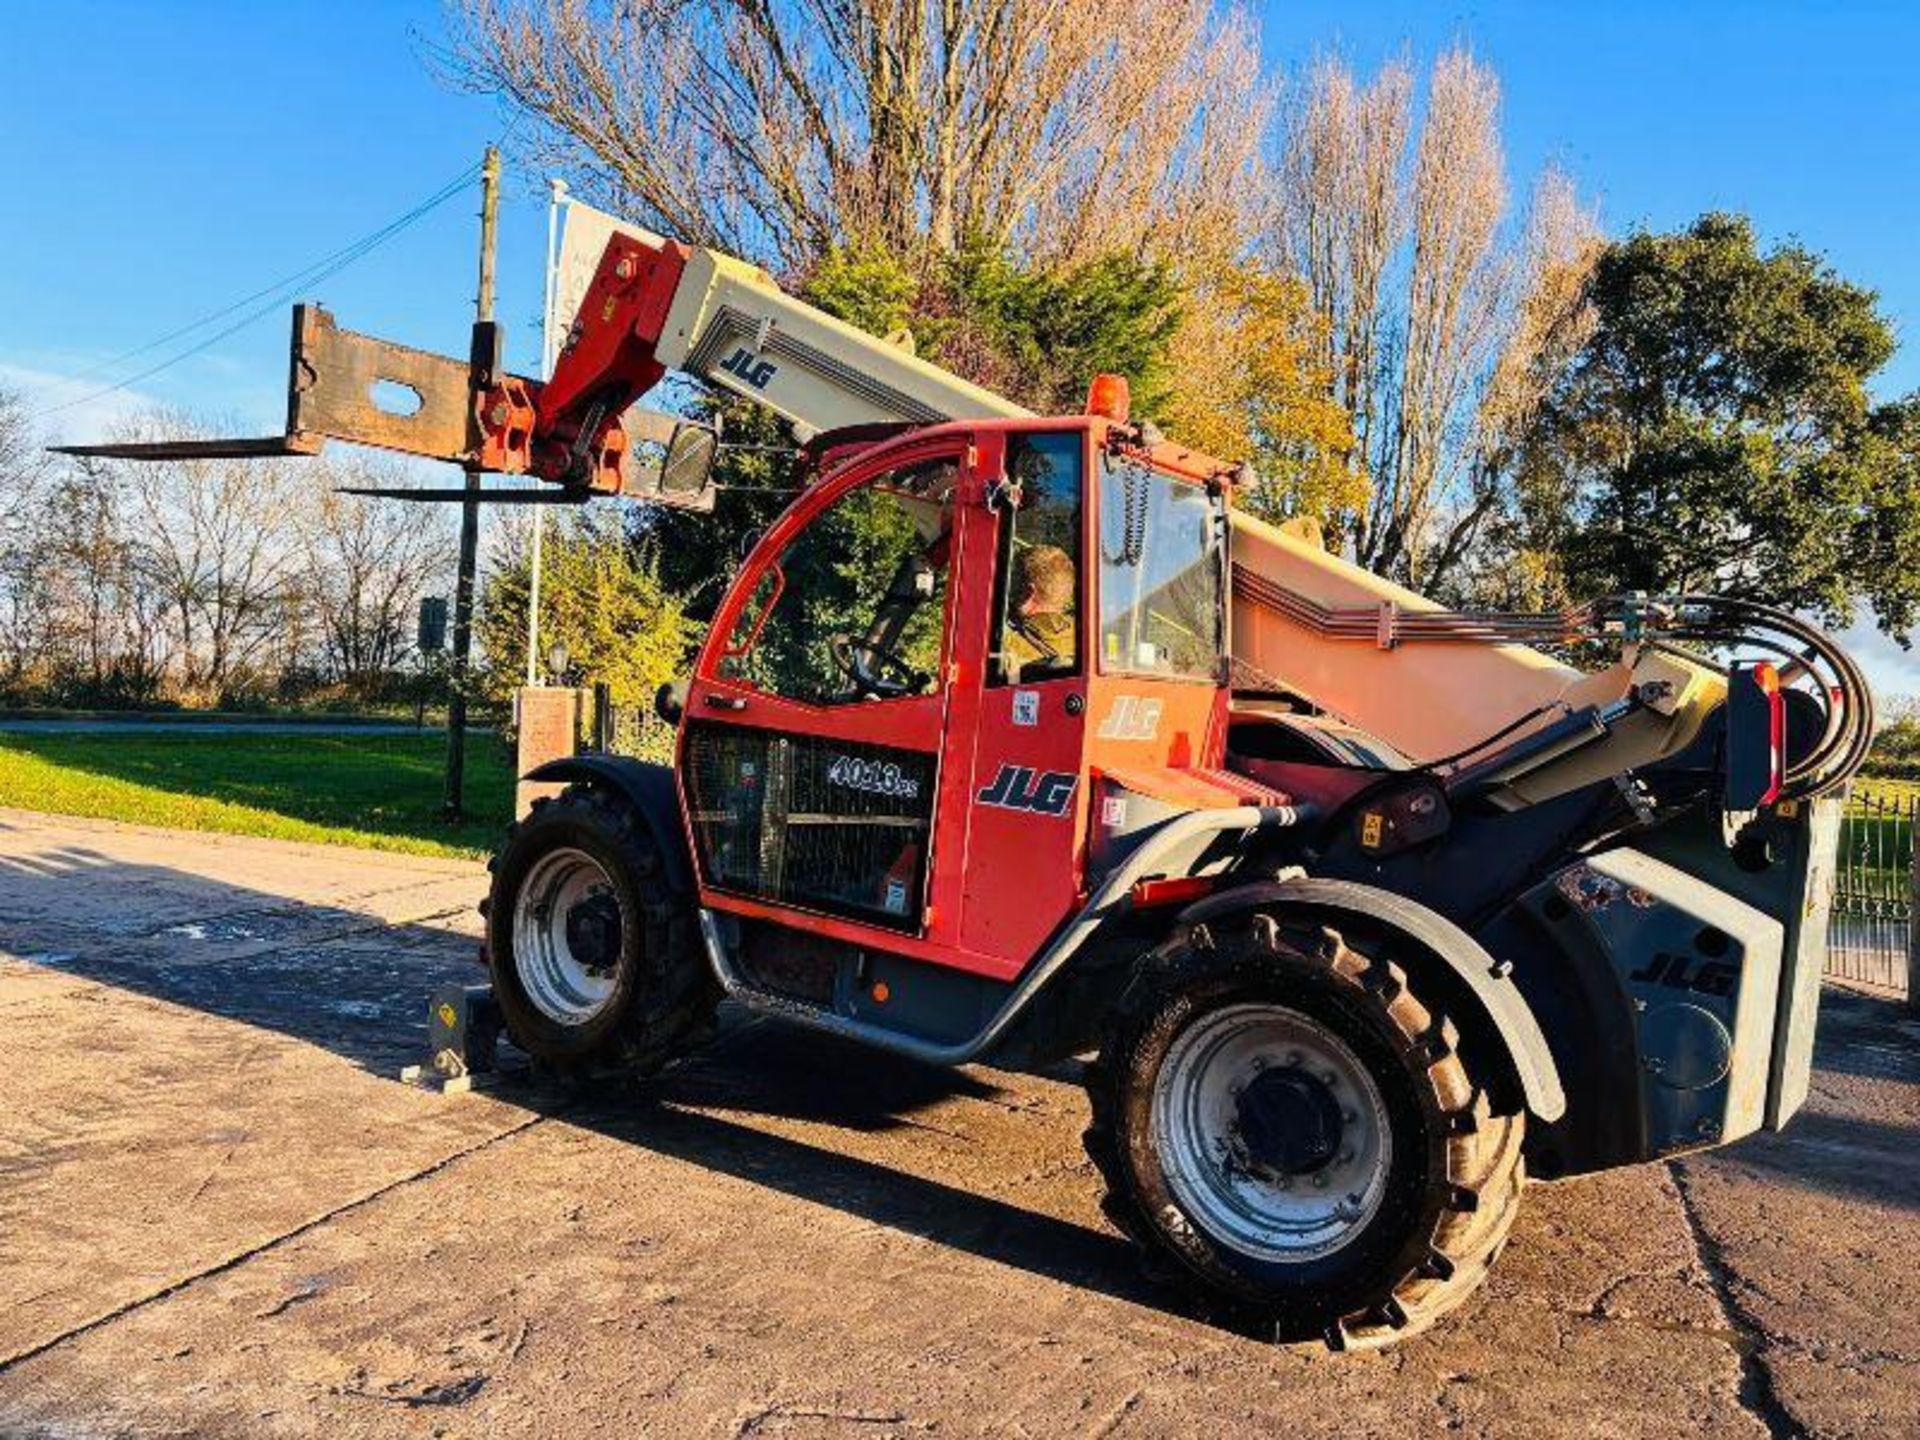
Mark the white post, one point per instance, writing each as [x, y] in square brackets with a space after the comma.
[556, 197]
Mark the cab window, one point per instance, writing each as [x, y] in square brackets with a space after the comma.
[1160, 573]
[1037, 601]
[855, 607]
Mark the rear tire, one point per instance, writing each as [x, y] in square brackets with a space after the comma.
[1282, 1117]
[595, 957]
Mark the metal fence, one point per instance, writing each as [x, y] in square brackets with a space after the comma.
[1873, 899]
[625, 729]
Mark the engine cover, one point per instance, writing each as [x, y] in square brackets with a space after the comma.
[1702, 970]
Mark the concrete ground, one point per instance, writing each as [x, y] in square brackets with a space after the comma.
[220, 1214]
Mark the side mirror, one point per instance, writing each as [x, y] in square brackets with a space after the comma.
[687, 468]
[669, 460]
[670, 701]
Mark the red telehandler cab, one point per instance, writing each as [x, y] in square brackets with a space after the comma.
[1014, 740]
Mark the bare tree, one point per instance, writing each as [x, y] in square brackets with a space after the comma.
[779, 129]
[106, 627]
[19, 454]
[217, 543]
[26, 572]
[119, 578]
[1444, 317]
[75, 616]
[1340, 215]
[1552, 321]
[368, 562]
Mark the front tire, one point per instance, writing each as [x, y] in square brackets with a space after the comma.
[1279, 1115]
[595, 957]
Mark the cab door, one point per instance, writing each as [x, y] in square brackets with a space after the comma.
[1027, 803]
[813, 750]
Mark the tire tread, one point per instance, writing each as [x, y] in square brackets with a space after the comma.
[1484, 1162]
[675, 1008]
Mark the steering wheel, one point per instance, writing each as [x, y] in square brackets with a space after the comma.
[876, 670]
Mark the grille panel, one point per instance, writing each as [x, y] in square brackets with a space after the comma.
[821, 824]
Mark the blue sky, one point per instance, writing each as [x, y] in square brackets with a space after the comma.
[167, 158]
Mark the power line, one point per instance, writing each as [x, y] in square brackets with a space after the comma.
[279, 292]
[298, 277]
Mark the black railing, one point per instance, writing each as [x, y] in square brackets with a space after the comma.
[1872, 930]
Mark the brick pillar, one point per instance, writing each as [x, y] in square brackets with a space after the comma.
[549, 729]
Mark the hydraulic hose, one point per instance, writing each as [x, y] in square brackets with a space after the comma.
[1840, 686]
[1716, 621]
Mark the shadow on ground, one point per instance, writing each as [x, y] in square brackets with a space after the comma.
[342, 979]
[330, 975]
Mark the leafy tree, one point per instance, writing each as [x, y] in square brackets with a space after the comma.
[1896, 749]
[1034, 332]
[1715, 432]
[1040, 333]
[1037, 334]
[1253, 384]
[601, 597]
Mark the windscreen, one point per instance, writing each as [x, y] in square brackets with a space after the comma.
[1160, 573]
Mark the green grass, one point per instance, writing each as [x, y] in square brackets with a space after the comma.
[1884, 788]
[380, 791]
[1876, 836]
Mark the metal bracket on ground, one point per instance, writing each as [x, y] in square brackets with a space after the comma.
[463, 1036]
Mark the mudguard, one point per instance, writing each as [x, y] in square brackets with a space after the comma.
[1502, 1006]
[649, 788]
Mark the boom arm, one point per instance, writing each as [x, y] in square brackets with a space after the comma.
[651, 309]
[653, 306]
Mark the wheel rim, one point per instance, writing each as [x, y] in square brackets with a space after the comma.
[1273, 1134]
[567, 936]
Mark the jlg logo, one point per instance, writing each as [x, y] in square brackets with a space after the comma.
[1713, 977]
[1133, 717]
[755, 372]
[1018, 788]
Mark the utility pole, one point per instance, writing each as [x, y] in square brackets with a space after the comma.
[470, 507]
[549, 346]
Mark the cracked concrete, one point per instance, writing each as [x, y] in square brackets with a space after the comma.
[219, 1214]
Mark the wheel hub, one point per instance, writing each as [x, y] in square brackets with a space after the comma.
[567, 939]
[593, 933]
[1288, 1123]
[1272, 1133]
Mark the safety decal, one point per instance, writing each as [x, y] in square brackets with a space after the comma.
[876, 777]
[1018, 787]
[1026, 707]
[1133, 717]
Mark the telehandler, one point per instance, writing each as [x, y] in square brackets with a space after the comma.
[1015, 740]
